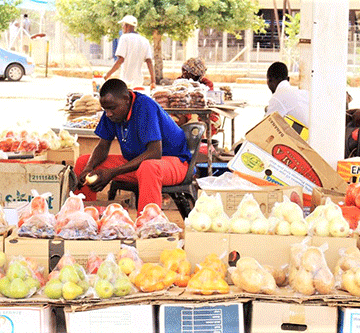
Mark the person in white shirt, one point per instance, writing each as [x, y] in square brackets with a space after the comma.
[286, 100]
[132, 51]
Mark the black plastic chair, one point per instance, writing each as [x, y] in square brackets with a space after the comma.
[184, 194]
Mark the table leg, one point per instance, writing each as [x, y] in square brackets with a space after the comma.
[232, 132]
[209, 144]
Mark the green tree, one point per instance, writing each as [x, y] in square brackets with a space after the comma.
[157, 18]
[292, 30]
[8, 13]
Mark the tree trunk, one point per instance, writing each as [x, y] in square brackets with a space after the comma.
[158, 57]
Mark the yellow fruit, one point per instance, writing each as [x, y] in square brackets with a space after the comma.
[127, 265]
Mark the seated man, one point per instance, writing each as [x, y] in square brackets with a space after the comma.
[154, 149]
[286, 100]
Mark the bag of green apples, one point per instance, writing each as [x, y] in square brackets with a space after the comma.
[68, 280]
[110, 281]
[20, 280]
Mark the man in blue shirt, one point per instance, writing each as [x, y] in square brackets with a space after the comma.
[154, 149]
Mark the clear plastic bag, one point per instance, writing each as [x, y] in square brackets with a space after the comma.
[35, 220]
[158, 227]
[251, 277]
[67, 281]
[149, 212]
[111, 281]
[128, 259]
[207, 281]
[22, 279]
[117, 226]
[78, 225]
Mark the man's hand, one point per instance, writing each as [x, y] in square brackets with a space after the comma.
[106, 76]
[104, 177]
[81, 179]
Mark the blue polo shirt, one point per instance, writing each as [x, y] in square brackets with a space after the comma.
[148, 122]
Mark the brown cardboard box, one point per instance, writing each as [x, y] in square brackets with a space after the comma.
[319, 196]
[266, 197]
[275, 136]
[19, 178]
[334, 245]
[282, 317]
[267, 249]
[47, 252]
[66, 156]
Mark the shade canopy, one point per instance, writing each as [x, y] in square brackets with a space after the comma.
[40, 5]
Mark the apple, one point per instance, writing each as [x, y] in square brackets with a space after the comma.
[69, 273]
[17, 270]
[122, 287]
[127, 265]
[104, 288]
[107, 270]
[5, 286]
[91, 179]
[32, 283]
[71, 290]
[2, 259]
[18, 288]
[53, 289]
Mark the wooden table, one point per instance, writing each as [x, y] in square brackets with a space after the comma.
[226, 110]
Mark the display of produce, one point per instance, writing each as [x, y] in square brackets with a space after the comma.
[347, 271]
[83, 122]
[23, 277]
[3, 221]
[308, 270]
[327, 220]
[152, 277]
[110, 280]
[68, 280]
[251, 277]
[209, 277]
[78, 105]
[128, 259]
[36, 220]
[182, 93]
[176, 261]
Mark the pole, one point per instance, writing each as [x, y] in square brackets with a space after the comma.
[47, 58]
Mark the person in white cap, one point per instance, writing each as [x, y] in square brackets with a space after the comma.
[132, 51]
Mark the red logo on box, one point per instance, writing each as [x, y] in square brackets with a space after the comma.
[295, 161]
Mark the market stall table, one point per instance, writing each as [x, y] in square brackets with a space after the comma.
[226, 110]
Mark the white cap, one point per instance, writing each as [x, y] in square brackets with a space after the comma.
[129, 19]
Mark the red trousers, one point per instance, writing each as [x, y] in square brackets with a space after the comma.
[150, 176]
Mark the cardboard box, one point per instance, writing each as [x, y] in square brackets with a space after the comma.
[283, 317]
[267, 249]
[335, 244]
[276, 137]
[252, 160]
[65, 156]
[126, 318]
[19, 178]
[349, 320]
[319, 196]
[27, 319]
[48, 252]
[349, 169]
[266, 197]
[218, 317]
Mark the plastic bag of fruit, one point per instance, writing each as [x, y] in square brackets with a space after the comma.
[128, 259]
[308, 270]
[287, 218]
[207, 281]
[176, 260]
[3, 222]
[93, 263]
[74, 203]
[67, 281]
[152, 277]
[117, 225]
[347, 270]
[327, 220]
[159, 226]
[78, 225]
[208, 214]
[251, 277]
[36, 220]
[22, 279]
[149, 213]
[110, 281]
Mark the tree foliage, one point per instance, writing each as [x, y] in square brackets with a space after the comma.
[8, 13]
[156, 18]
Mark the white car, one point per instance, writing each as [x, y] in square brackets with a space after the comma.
[14, 65]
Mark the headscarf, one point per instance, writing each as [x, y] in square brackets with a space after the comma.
[195, 66]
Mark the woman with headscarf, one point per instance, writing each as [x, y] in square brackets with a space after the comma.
[194, 68]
